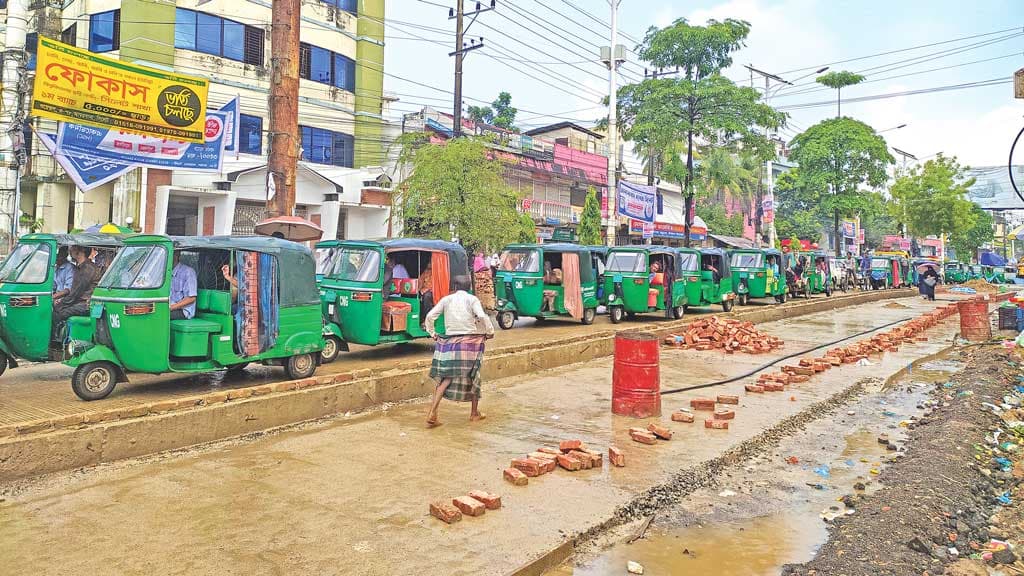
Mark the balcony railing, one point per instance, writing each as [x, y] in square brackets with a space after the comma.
[550, 212]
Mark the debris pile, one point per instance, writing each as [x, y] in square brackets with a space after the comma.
[979, 285]
[570, 455]
[727, 334]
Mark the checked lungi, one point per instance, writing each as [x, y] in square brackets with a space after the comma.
[459, 358]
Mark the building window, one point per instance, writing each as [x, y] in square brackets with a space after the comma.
[346, 5]
[31, 46]
[250, 134]
[326, 147]
[70, 35]
[321, 65]
[211, 34]
[105, 31]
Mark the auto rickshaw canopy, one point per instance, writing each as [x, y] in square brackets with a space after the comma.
[587, 272]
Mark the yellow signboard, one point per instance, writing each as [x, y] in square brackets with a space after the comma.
[75, 85]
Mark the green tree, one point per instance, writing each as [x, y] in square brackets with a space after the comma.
[844, 154]
[500, 113]
[798, 211]
[837, 81]
[589, 229]
[932, 199]
[480, 114]
[527, 231]
[701, 105]
[456, 190]
[966, 242]
[717, 221]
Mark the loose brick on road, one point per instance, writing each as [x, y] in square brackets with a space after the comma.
[660, 431]
[716, 424]
[723, 414]
[569, 445]
[527, 466]
[728, 399]
[547, 450]
[643, 437]
[491, 501]
[469, 506]
[755, 388]
[445, 512]
[616, 457]
[569, 463]
[681, 416]
[515, 477]
[702, 404]
[584, 459]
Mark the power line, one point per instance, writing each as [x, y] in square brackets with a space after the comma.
[978, 84]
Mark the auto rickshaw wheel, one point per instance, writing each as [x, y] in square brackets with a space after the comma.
[3, 363]
[631, 315]
[506, 319]
[332, 347]
[727, 305]
[588, 316]
[300, 366]
[678, 312]
[615, 313]
[94, 381]
[744, 299]
[236, 369]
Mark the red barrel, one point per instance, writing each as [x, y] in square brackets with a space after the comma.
[974, 322]
[636, 380]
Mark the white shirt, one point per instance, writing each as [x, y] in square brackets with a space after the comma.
[463, 315]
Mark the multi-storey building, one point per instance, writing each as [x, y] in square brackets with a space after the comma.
[342, 106]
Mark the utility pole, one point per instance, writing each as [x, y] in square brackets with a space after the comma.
[766, 184]
[283, 102]
[458, 14]
[12, 117]
[616, 55]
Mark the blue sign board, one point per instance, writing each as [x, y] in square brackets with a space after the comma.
[636, 201]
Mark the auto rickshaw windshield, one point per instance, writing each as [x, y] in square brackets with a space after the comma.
[689, 261]
[626, 262]
[746, 260]
[879, 263]
[139, 267]
[325, 259]
[520, 260]
[27, 264]
[357, 265]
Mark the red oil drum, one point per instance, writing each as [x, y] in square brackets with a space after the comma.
[636, 380]
[974, 321]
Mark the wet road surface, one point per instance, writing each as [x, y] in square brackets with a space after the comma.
[350, 495]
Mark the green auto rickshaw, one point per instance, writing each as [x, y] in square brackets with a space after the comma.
[325, 254]
[955, 272]
[28, 280]
[818, 273]
[885, 272]
[379, 292]
[641, 279]
[993, 274]
[546, 281]
[975, 272]
[755, 274]
[256, 301]
[598, 257]
[715, 284]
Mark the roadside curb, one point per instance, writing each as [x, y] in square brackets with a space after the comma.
[69, 442]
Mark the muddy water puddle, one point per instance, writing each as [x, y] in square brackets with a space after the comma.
[773, 511]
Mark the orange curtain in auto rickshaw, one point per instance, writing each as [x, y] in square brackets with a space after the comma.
[572, 293]
[440, 275]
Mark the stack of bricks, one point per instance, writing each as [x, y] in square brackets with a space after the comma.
[719, 417]
[570, 455]
[474, 504]
[651, 434]
[726, 334]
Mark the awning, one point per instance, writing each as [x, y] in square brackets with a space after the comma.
[734, 241]
[1016, 234]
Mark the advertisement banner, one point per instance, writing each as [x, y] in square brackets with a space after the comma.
[231, 126]
[75, 85]
[86, 173]
[130, 148]
[768, 209]
[849, 229]
[636, 201]
[666, 230]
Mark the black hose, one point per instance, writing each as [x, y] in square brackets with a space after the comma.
[787, 357]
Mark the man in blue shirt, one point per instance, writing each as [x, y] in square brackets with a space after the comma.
[64, 276]
[184, 289]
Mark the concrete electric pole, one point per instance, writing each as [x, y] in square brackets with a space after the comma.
[615, 56]
[459, 14]
[283, 142]
[12, 116]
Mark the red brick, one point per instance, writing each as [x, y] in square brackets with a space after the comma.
[702, 404]
[515, 477]
[728, 399]
[548, 466]
[552, 451]
[342, 378]
[723, 414]
[643, 437]
[569, 463]
[568, 445]
[527, 466]
[716, 424]
[584, 458]
[543, 456]
[596, 458]
[682, 417]
[447, 513]
[800, 378]
[754, 388]
[660, 431]
[491, 501]
[616, 457]
[469, 506]
[774, 387]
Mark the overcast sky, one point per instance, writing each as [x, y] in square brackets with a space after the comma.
[554, 41]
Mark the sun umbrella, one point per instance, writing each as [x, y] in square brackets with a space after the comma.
[290, 228]
[922, 266]
[109, 228]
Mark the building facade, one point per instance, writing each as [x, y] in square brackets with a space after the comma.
[342, 111]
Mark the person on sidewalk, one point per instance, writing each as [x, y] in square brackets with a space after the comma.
[458, 355]
[928, 281]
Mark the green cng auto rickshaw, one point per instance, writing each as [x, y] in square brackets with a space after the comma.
[268, 311]
[545, 281]
[993, 274]
[818, 273]
[598, 257]
[28, 280]
[641, 279]
[715, 284]
[974, 272]
[754, 274]
[325, 253]
[955, 272]
[885, 272]
[379, 292]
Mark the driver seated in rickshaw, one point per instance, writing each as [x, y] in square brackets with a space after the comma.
[552, 277]
[184, 290]
[64, 276]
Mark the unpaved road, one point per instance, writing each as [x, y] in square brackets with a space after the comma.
[350, 495]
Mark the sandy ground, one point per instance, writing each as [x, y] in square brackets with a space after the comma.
[350, 495]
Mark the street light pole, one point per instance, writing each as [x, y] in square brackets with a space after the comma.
[613, 128]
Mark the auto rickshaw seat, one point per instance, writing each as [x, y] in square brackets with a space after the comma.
[191, 338]
[194, 326]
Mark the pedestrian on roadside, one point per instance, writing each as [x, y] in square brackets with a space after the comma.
[458, 355]
[929, 278]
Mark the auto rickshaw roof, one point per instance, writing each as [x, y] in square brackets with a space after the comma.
[772, 252]
[391, 244]
[649, 249]
[713, 251]
[83, 239]
[264, 244]
[598, 249]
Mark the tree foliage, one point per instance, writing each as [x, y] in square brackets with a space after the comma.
[844, 154]
[589, 229]
[839, 79]
[932, 200]
[500, 113]
[701, 106]
[717, 221]
[966, 242]
[456, 190]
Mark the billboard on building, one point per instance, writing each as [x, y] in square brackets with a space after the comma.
[75, 85]
[87, 173]
[636, 201]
